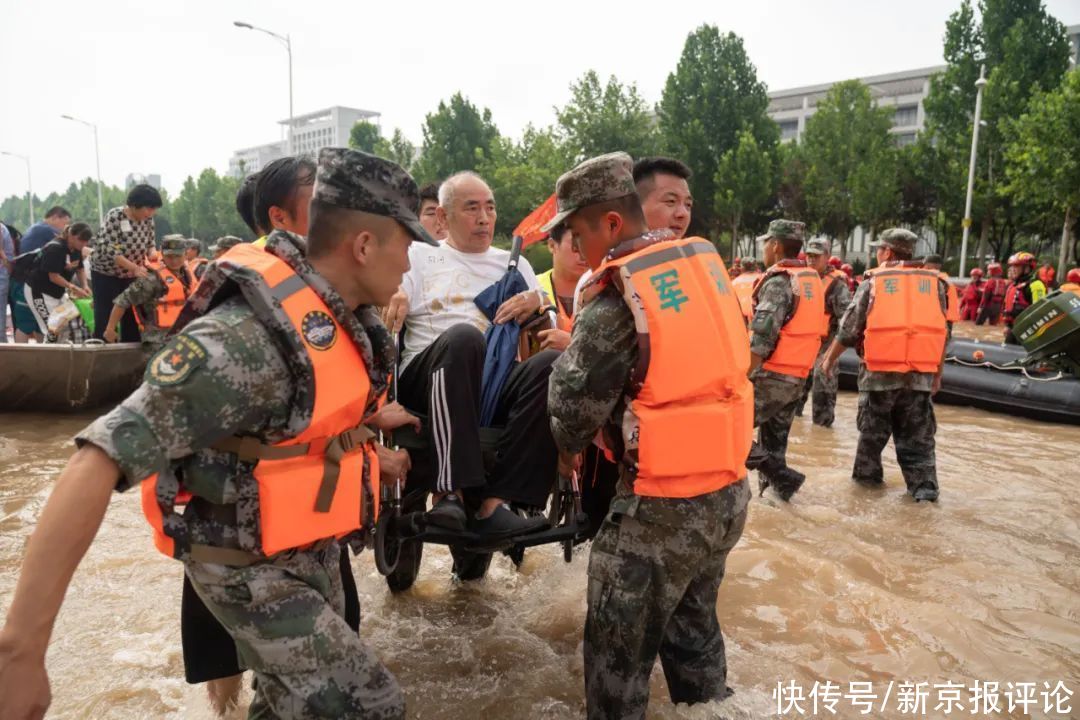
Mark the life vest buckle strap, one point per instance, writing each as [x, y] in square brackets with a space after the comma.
[336, 448]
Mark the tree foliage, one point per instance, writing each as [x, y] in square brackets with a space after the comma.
[744, 182]
[206, 207]
[364, 136]
[1043, 155]
[457, 136]
[602, 119]
[397, 148]
[713, 95]
[850, 170]
[522, 174]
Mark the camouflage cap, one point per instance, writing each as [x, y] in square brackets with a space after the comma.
[785, 230]
[897, 239]
[173, 245]
[355, 180]
[818, 246]
[225, 242]
[594, 181]
[194, 243]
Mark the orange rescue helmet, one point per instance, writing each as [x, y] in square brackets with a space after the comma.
[1073, 276]
[994, 269]
[847, 269]
[835, 262]
[1023, 258]
[976, 272]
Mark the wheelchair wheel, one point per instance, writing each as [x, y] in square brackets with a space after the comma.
[469, 565]
[387, 549]
[408, 566]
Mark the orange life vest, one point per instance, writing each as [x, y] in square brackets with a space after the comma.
[690, 414]
[800, 338]
[905, 328]
[831, 277]
[744, 291]
[153, 261]
[195, 264]
[1070, 287]
[952, 314]
[167, 309]
[323, 482]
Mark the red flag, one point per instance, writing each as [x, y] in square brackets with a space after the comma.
[529, 228]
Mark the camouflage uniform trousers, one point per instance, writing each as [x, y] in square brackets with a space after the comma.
[822, 389]
[286, 616]
[775, 402]
[906, 415]
[654, 573]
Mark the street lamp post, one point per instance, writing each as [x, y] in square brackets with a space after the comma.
[97, 161]
[979, 85]
[29, 182]
[288, 48]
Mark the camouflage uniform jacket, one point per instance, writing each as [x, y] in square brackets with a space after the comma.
[852, 330]
[225, 373]
[837, 299]
[143, 294]
[591, 381]
[773, 309]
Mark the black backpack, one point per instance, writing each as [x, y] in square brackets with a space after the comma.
[23, 266]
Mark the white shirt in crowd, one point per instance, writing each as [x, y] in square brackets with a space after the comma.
[441, 286]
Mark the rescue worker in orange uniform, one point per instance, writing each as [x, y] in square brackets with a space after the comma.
[1025, 289]
[969, 303]
[993, 297]
[837, 299]
[897, 322]
[254, 458]
[785, 336]
[1072, 281]
[158, 296]
[681, 428]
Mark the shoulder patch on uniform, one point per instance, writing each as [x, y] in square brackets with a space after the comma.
[319, 330]
[175, 362]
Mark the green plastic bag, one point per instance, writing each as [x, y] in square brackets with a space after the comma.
[86, 311]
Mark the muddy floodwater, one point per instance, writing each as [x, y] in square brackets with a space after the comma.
[844, 584]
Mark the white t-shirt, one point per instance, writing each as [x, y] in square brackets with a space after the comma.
[442, 284]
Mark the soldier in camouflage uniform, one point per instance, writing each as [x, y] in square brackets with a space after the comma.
[891, 403]
[657, 562]
[776, 395]
[227, 373]
[837, 299]
[144, 293]
[222, 245]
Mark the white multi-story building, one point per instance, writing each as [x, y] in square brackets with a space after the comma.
[311, 133]
[134, 179]
[902, 91]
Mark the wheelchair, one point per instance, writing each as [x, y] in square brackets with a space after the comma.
[402, 531]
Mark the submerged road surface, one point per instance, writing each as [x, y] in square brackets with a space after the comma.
[843, 585]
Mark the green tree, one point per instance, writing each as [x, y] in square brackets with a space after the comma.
[457, 136]
[602, 119]
[744, 182]
[845, 142]
[711, 97]
[364, 136]
[397, 148]
[1024, 50]
[206, 207]
[522, 174]
[791, 181]
[1043, 158]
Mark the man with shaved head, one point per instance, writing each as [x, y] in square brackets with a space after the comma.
[442, 365]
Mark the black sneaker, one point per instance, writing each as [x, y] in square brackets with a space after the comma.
[504, 523]
[448, 513]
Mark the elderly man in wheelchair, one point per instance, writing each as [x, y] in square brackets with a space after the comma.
[488, 485]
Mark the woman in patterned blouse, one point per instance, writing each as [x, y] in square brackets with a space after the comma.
[120, 252]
